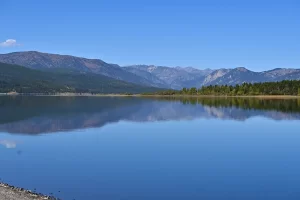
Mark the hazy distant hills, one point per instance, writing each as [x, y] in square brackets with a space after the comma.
[241, 75]
[179, 77]
[147, 75]
[175, 78]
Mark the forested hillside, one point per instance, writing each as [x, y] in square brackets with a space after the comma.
[24, 80]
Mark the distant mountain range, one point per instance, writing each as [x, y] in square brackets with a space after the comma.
[178, 77]
[175, 78]
[148, 75]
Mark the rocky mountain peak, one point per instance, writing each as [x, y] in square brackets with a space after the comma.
[242, 69]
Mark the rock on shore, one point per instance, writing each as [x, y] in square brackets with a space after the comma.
[8, 192]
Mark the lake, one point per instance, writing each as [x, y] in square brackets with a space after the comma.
[133, 148]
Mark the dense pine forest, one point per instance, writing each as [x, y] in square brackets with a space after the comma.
[286, 87]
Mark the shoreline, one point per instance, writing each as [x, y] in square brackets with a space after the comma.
[224, 96]
[9, 192]
[67, 94]
[153, 95]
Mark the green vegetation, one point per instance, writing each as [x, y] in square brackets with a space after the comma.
[14, 78]
[287, 87]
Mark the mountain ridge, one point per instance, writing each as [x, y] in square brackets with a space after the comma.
[223, 76]
[25, 80]
[46, 61]
[149, 75]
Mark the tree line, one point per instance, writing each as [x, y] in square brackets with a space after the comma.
[286, 87]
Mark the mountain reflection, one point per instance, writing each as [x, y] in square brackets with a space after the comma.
[35, 115]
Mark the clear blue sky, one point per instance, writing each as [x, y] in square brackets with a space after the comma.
[255, 34]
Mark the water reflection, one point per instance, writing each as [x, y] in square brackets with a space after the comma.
[35, 115]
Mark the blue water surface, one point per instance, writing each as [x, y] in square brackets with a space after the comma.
[154, 152]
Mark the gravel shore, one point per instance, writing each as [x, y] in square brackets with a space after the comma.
[8, 192]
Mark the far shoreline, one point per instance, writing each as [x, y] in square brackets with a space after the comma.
[152, 95]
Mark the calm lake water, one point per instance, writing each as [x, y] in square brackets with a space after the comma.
[135, 148]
